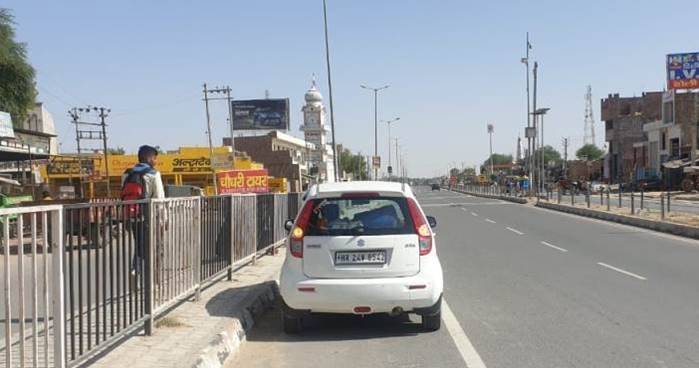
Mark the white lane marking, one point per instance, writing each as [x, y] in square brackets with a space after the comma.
[491, 221]
[463, 344]
[462, 204]
[553, 246]
[627, 273]
[474, 214]
[515, 231]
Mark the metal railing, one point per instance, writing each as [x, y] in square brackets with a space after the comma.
[32, 290]
[105, 294]
[110, 267]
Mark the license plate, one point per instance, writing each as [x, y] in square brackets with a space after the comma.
[351, 258]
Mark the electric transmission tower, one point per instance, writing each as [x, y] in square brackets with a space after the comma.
[589, 118]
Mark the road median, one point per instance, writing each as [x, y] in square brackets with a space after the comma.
[519, 200]
[651, 224]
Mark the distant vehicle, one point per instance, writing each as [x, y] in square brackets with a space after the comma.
[361, 248]
[436, 186]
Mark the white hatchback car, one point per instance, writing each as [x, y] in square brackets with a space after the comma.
[361, 248]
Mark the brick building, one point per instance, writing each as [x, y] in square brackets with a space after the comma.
[624, 119]
[283, 155]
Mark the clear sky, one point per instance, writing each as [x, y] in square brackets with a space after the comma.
[453, 66]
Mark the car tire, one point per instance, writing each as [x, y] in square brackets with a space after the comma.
[292, 324]
[432, 322]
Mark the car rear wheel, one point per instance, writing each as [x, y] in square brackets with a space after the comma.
[432, 322]
[292, 324]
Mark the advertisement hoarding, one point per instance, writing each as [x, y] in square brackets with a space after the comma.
[243, 181]
[261, 114]
[683, 71]
[6, 129]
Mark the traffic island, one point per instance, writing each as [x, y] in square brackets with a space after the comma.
[648, 222]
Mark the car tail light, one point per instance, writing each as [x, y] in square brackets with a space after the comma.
[299, 230]
[422, 229]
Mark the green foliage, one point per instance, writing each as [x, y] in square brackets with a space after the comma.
[589, 152]
[355, 164]
[116, 151]
[498, 159]
[550, 155]
[17, 91]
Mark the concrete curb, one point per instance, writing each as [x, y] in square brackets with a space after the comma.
[504, 198]
[664, 227]
[227, 342]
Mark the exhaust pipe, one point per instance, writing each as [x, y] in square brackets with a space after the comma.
[397, 311]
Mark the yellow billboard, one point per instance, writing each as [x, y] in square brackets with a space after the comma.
[185, 161]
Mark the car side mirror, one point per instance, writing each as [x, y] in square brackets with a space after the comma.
[432, 221]
[289, 224]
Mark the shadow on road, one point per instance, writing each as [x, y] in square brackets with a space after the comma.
[333, 327]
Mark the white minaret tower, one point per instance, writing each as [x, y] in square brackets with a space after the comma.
[315, 131]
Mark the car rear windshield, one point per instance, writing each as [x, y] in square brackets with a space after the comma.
[360, 216]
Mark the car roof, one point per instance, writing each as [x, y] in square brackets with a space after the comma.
[385, 188]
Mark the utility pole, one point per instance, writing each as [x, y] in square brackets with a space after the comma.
[397, 162]
[230, 119]
[330, 92]
[525, 61]
[103, 115]
[491, 129]
[534, 177]
[565, 158]
[208, 133]
[86, 131]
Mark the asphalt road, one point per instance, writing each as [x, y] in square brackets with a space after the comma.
[528, 288]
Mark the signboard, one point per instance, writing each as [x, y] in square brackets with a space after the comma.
[222, 161]
[6, 129]
[683, 71]
[376, 162]
[530, 132]
[261, 114]
[242, 181]
[278, 185]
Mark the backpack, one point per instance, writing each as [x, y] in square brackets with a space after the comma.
[134, 188]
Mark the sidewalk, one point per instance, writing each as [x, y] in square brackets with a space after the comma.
[202, 333]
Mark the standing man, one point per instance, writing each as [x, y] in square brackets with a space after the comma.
[142, 181]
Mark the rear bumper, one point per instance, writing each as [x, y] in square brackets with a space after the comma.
[418, 294]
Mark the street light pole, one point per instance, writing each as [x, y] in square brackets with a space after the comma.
[336, 159]
[542, 169]
[388, 123]
[528, 157]
[376, 126]
[491, 129]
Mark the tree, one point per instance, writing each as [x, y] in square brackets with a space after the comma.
[498, 159]
[355, 164]
[17, 91]
[550, 155]
[116, 151]
[589, 152]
